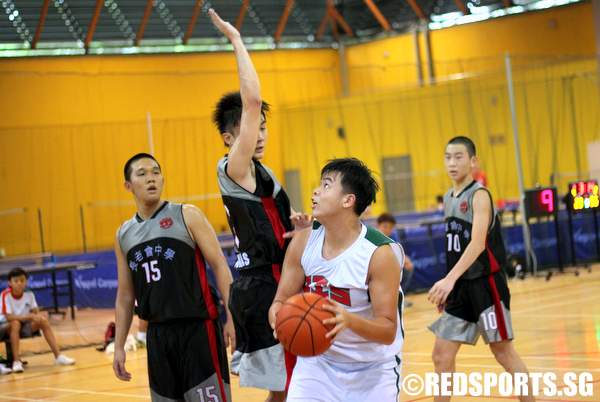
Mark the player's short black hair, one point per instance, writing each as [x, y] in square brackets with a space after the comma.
[16, 272]
[386, 217]
[467, 142]
[127, 168]
[228, 112]
[357, 179]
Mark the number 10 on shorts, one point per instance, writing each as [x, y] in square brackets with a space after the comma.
[489, 320]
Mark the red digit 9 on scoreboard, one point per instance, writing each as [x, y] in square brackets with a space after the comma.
[540, 202]
[547, 200]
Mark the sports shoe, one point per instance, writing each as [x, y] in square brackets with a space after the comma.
[17, 366]
[4, 369]
[140, 337]
[63, 360]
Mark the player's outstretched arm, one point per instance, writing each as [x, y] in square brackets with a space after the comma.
[482, 216]
[205, 237]
[292, 274]
[242, 150]
[384, 282]
[123, 312]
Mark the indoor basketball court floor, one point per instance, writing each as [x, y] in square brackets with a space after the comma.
[556, 322]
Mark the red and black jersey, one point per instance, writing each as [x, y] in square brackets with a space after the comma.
[458, 212]
[257, 220]
[167, 267]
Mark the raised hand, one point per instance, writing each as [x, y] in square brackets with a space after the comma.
[225, 27]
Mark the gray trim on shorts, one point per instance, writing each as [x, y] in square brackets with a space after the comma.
[203, 391]
[455, 329]
[493, 335]
[264, 369]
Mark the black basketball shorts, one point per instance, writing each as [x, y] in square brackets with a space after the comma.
[476, 307]
[187, 361]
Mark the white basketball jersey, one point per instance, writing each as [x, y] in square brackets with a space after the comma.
[344, 279]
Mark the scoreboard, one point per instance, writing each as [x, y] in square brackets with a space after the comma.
[540, 202]
[583, 195]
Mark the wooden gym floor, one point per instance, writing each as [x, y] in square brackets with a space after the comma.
[557, 327]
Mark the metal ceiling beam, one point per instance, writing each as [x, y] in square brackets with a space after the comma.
[283, 19]
[302, 20]
[337, 17]
[461, 6]
[322, 25]
[92, 27]
[417, 9]
[69, 19]
[378, 15]
[239, 21]
[41, 22]
[168, 18]
[119, 19]
[192, 24]
[147, 11]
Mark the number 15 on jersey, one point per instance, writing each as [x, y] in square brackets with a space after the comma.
[152, 271]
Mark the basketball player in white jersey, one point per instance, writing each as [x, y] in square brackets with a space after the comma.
[358, 269]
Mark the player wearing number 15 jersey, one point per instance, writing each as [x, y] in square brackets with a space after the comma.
[161, 258]
[473, 295]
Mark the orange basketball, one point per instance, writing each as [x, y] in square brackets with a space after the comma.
[300, 327]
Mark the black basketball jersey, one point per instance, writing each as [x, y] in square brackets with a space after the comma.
[257, 220]
[458, 212]
[167, 268]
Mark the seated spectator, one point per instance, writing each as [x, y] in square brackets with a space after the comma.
[22, 312]
[386, 224]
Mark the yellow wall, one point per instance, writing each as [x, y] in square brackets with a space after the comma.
[419, 122]
[384, 63]
[477, 47]
[68, 124]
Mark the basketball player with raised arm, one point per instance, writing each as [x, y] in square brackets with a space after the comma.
[162, 253]
[358, 269]
[474, 295]
[260, 217]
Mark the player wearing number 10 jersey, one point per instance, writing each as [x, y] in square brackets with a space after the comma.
[161, 258]
[474, 294]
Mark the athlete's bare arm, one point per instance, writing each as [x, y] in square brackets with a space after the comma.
[241, 151]
[384, 282]
[292, 274]
[205, 237]
[123, 312]
[482, 217]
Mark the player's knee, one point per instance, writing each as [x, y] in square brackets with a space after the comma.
[15, 326]
[442, 358]
[502, 353]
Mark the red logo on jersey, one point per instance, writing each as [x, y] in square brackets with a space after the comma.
[320, 285]
[464, 207]
[166, 223]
